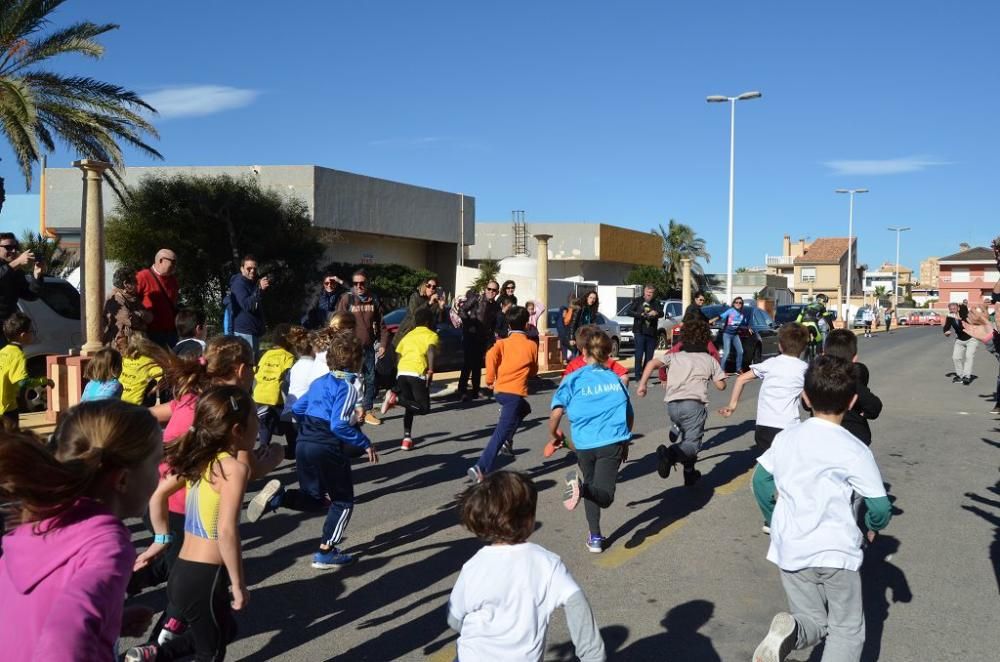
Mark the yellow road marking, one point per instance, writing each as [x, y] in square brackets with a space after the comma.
[446, 654]
[620, 554]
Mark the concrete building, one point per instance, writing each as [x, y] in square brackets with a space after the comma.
[969, 274]
[594, 252]
[930, 270]
[784, 264]
[370, 220]
[823, 268]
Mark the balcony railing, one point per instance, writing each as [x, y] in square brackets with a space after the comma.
[780, 260]
[989, 280]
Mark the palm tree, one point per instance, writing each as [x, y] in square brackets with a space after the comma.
[37, 106]
[488, 270]
[680, 241]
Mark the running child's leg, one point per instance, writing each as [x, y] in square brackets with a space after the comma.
[598, 489]
[268, 418]
[312, 494]
[335, 476]
[690, 416]
[511, 415]
[200, 592]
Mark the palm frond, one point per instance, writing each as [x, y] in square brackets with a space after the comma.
[78, 39]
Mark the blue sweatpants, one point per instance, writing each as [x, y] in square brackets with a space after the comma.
[324, 470]
[513, 409]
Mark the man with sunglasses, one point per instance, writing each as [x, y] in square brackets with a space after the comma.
[368, 328]
[14, 283]
[325, 303]
[157, 288]
[245, 294]
[479, 320]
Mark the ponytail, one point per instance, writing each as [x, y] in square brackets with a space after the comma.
[93, 440]
[222, 357]
[218, 410]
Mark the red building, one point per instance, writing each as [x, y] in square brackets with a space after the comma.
[969, 274]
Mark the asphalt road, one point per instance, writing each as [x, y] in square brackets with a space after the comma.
[684, 577]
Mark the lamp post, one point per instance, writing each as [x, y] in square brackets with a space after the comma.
[850, 248]
[895, 294]
[732, 158]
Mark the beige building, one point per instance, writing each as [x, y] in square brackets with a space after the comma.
[784, 264]
[930, 273]
[818, 268]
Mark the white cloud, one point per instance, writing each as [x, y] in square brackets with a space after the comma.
[882, 166]
[198, 100]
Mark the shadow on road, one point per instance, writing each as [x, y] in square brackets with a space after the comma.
[882, 584]
[991, 514]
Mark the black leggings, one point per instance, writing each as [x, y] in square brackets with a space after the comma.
[199, 592]
[414, 397]
[600, 473]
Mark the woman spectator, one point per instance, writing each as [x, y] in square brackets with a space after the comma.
[123, 310]
[587, 314]
[507, 289]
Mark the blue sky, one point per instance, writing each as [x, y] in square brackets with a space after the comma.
[593, 110]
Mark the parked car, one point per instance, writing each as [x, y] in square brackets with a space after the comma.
[761, 344]
[673, 310]
[925, 318]
[609, 326]
[449, 355]
[858, 321]
[56, 320]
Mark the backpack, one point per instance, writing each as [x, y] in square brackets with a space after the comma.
[227, 315]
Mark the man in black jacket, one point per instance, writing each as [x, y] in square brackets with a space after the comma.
[14, 283]
[646, 313]
[479, 320]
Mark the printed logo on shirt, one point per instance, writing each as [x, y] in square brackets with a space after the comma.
[600, 389]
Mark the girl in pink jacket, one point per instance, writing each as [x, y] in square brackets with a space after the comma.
[64, 569]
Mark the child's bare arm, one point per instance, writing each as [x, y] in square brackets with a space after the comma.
[653, 364]
[232, 476]
[734, 399]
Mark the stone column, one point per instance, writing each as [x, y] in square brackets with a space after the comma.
[686, 282]
[92, 266]
[543, 280]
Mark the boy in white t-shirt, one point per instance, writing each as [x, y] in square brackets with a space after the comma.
[507, 591]
[814, 467]
[781, 392]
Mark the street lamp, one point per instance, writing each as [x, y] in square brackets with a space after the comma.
[895, 294]
[850, 242]
[732, 157]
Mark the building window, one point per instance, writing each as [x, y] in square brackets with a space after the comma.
[808, 274]
[957, 297]
[960, 275]
[991, 275]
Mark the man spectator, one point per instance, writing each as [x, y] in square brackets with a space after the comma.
[479, 321]
[245, 293]
[368, 328]
[645, 312]
[426, 296]
[325, 302]
[14, 283]
[157, 289]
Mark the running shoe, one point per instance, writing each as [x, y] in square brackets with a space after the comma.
[675, 433]
[766, 529]
[780, 639]
[407, 444]
[475, 474]
[145, 653]
[665, 461]
[956, 379]
[571, 495]
[372, 419]
[595, 543]
[996, 409]
[267, 500]
[172, 629]
[389, 402]
[966, 380]
[507, 448]
[331, 559]
[691, 478]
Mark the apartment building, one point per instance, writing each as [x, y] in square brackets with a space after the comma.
[969, 275]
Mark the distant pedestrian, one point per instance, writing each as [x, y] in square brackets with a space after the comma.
[646, 313]
[964, 350]
[479, 320]
[361, 303]
[158, 291]
[803, 486]
[246, 295]
[505, 595]
[324, 304]
[887, 319]
[867, 317]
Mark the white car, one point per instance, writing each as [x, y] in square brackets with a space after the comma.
[673, 310]
[57, 326]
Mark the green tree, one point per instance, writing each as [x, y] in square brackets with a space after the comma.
[38, 106]
[211, 222]
[57, 261]
[880, 292]
[680, 241]
[392, 283]
[649, 275]
[488, 270]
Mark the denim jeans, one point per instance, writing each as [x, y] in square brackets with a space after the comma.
[644, 348]
[513, 410]
[730, 340]
[368, 378]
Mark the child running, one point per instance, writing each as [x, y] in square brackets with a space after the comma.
[415, 371]
[330, 415]
[813, 468]
[688, 373]
[210, 564]
[14, 369]
[301, 342]
[844, 345]
[781, 392]
[505, 595]
[64, 569]
[510, 363]
[270, 383]
[102, 374]
[140, 371]
[600, 416]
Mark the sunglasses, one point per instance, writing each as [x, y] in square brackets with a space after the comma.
[492, 289]
[433, 286]
[510, 287]
[360, 282]
[11, 247]
[737, 303]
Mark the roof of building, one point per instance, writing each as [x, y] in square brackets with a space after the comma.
[977, 254]
[825, 250]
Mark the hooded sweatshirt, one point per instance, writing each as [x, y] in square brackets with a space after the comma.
[62, 592]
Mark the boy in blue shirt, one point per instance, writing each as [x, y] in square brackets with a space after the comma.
[330, 415]
[600, 416]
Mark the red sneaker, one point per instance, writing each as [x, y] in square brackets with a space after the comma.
[407, 444]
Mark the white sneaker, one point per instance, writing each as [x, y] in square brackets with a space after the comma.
[780, 639]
